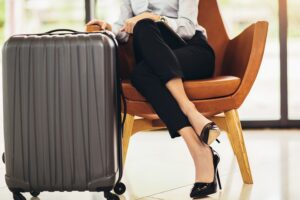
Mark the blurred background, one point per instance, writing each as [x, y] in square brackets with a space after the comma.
[274, 100]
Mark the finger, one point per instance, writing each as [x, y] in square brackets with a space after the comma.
[89, 23]
[92, 22]
[127, 29]
[130, 28]
[103, 25]
[125, 26]
[122, 29]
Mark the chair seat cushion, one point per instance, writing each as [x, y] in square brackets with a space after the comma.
[219, 86]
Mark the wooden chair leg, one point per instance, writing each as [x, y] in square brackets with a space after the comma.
[231, 142]
[222, 124]
[128, 126]
[235, 135]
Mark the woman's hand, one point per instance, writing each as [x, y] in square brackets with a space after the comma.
[103, 25]
[131, 22]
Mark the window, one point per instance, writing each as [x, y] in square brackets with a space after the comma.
[263, 102]
[293, 59]
[108, 10]
[36, 16]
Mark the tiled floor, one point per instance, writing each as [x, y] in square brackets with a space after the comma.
[161, 168]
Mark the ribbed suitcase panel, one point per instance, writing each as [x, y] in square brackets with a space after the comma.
[60, 101]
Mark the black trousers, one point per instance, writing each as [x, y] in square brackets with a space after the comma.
[157, 63]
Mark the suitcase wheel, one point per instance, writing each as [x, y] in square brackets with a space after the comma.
[3, 158]
[18, 196]
[111, 196]
[34, 194]
[119, 188]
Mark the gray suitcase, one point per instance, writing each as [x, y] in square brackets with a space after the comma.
[62, 122]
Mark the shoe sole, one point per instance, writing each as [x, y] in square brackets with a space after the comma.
[204, 195]
[213, 135]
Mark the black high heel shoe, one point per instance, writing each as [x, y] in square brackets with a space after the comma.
[201, 189]
[209, 133]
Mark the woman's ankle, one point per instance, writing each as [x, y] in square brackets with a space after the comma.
[204, 162]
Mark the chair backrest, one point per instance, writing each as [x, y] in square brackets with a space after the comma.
[209, 17]
[240, 56]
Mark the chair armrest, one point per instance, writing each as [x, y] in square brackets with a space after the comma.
[243, 57]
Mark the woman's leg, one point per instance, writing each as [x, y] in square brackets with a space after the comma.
[159, 66]
[164, 104]
[150, 47]
[166, 64]
[201, 155]
[196, 63]
[149, 85]
[198, 121]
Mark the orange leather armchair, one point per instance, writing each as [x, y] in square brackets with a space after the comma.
[237, 64]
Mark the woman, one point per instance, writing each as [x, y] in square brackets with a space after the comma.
[161, 70]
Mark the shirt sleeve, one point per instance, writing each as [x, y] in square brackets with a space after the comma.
[125, 13]
[185, 24]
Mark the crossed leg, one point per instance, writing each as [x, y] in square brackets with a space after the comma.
[166, 106]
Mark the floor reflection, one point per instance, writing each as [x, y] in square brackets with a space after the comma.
[149, 173]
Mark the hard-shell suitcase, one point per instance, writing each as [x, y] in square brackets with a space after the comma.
[62, 119]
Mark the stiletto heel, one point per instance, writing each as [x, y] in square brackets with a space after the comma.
[219, 182]
[202, 189]
[209, 133]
